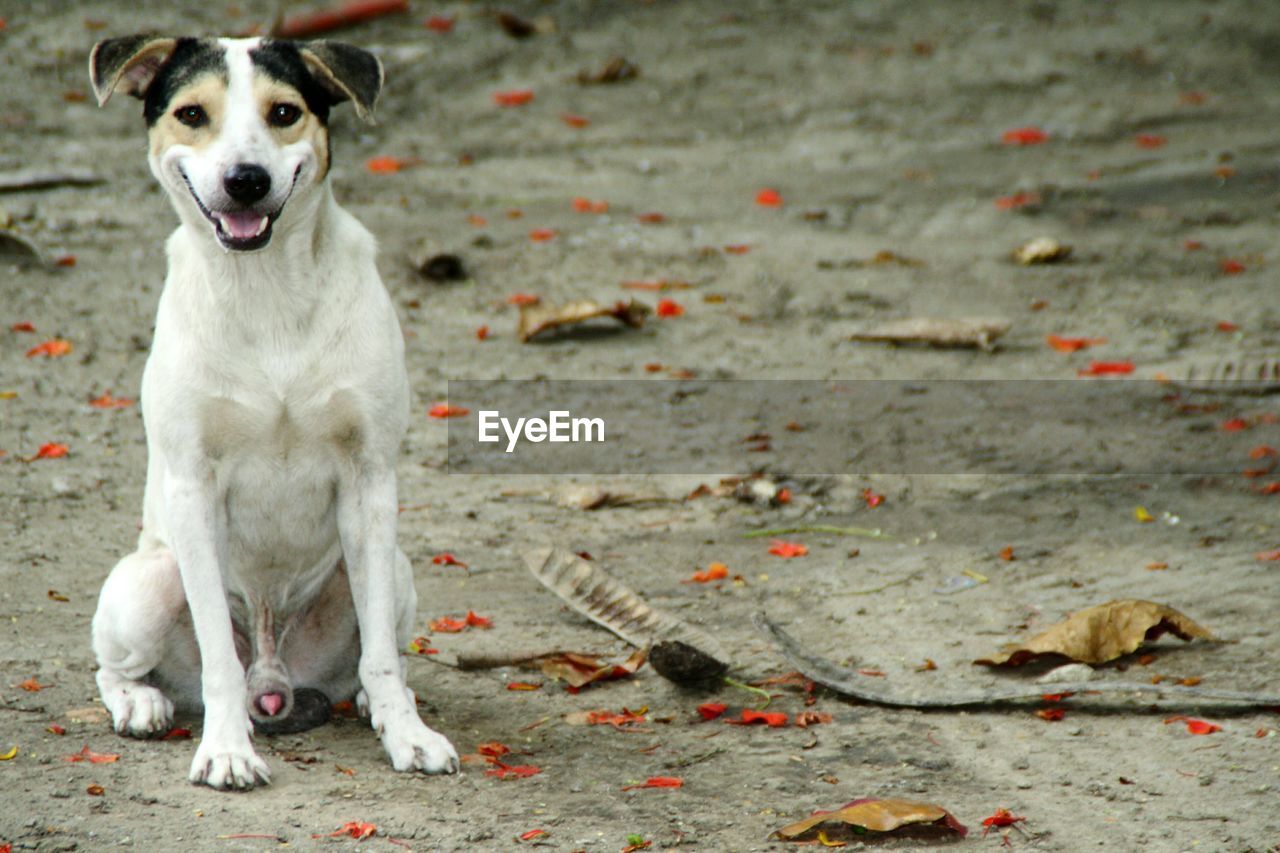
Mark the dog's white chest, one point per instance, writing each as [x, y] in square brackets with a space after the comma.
[277, 459]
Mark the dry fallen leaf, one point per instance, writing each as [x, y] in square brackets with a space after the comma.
[937, 331]
[1103, 633]
[543, 317]
[578, 670]
[877, 816]
[1041, 250]
[617, 69]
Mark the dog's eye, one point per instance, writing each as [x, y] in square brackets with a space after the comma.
[191, 116]
[283, 115]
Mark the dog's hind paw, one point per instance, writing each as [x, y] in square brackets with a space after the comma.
[239, 769]
[416, 747]
[140, 710]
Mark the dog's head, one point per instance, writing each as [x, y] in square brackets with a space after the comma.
[238, 127]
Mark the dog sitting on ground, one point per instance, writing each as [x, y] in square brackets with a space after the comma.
[275, 399]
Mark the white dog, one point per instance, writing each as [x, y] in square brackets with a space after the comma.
[275, 400]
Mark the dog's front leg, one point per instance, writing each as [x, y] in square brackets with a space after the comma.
[367, 525]
[225, 758]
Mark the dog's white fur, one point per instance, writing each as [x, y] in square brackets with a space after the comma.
[275, 400]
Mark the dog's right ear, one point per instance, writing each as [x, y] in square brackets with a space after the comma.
[127, 64]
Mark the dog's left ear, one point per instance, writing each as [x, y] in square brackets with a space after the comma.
[127, 64]
[346, 72]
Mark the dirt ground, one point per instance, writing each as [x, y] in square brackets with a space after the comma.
[880, 124]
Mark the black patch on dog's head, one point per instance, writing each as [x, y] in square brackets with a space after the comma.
[190, 59]
[281, 60]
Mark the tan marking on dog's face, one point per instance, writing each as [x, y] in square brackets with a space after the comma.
[209, 93]
[268, 94]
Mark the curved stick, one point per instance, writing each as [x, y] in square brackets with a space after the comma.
[839, 679]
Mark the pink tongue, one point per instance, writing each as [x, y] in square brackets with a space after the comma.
[240, 225]
[271, 703]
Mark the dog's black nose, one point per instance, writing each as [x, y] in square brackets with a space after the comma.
[247, 183]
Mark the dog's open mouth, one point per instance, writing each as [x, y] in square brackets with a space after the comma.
[239, 230]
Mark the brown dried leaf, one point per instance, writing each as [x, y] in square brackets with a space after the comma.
[877, 816]
[578, 670]
[543, 317]
[617, 69]
[1103, 633]
[938, 331]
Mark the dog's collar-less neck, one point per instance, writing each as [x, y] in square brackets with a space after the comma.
[293, 261]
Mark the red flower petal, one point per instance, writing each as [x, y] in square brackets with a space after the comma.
[444, 410]
[1106, 368]
[1024, 136]
[52, 348]
[438, 24]
[447, 559]
[542, 235]
[513, 97]
[574, 120]
[1149, 140]
[712, 710]
[106, 401]
[523, 299]
[769, 198]
[1017, 201]
[714, 572]
[51, 450]
[774, 719]
[1061, 344]
[1231, 266]
[658, 782]
[780, 548]
[669, 308]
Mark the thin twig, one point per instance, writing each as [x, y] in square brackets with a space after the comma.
[839, 679]
[880, 588]
[870, 533]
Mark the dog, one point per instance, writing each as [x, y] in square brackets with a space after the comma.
[267, 583]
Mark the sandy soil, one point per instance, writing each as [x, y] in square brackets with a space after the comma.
[880, 124]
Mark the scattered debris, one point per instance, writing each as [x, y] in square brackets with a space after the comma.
[586, 497]
[682, 664]
[1041, 250]
[980, 332]
[588, 589]
[19, 250]
[1258, 374]
[443, 267]
[884, 257]
[542, 317]
[618, 69]
[522, 28]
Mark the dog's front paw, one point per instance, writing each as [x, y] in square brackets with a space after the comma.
[139, 710]
[218, 766]
[413, 746]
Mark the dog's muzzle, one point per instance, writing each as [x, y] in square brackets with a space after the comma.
[240, 230]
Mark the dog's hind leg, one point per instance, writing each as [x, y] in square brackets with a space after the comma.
[140, 603]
